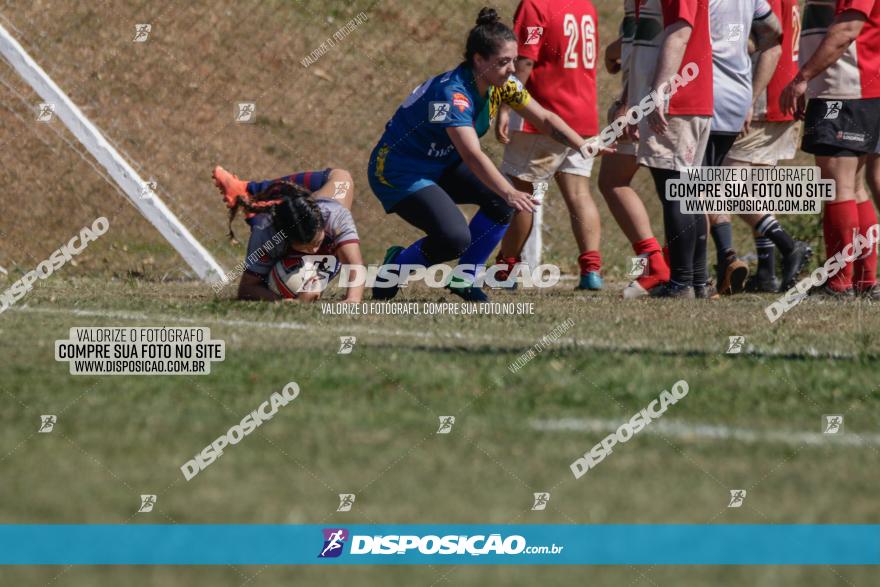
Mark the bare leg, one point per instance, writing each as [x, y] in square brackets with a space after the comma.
[615, 175]
[844, 171]
[861, 193]
[339, 187]
[585, 223]
[873, 176]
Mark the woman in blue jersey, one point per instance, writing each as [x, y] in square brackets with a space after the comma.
[429, 159]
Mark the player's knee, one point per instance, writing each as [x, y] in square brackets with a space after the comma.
[581, 197]
[337, 174]
[498, 211]
[453, 242]
[505, 215]
[342, 181]
[610, 182]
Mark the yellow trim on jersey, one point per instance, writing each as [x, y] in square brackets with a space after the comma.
[380, 165]
[512, 93]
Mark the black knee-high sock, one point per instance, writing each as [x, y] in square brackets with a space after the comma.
[722, 234]
[682, 230]
[770, 228]
[766, 257]
[701, 246]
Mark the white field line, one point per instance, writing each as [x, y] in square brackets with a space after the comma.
[349, 328]
[165, 320]
[695, 432]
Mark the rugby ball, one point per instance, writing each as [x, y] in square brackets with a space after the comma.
[293, 276]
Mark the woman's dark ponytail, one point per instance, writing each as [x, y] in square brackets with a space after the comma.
[487, 16]
[297, 215]
[294, 212]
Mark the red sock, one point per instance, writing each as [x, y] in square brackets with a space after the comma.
[509, 263]
[647, 246]
[841, 221]
[590, 261]
[657, 271]
[865, 267]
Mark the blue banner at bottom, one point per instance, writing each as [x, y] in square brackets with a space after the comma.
[162, 544]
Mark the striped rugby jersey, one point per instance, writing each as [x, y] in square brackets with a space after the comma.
[695, 99]
[856, 74]
[627, 35]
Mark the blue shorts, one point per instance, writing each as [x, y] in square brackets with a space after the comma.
[393, 178]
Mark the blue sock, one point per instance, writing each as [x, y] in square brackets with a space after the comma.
[485, 236]
[257, 187]
[412, 255]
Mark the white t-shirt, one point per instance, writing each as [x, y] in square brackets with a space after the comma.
[731, 24]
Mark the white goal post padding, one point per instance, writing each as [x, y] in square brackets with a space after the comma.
[132, 185]
[532, 252]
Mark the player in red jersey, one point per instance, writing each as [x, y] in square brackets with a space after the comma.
[618, 170]
[840, 74]
[673, 37]
[558, 56]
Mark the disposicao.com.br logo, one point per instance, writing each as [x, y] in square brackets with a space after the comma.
[334, 541]
[429, 544]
